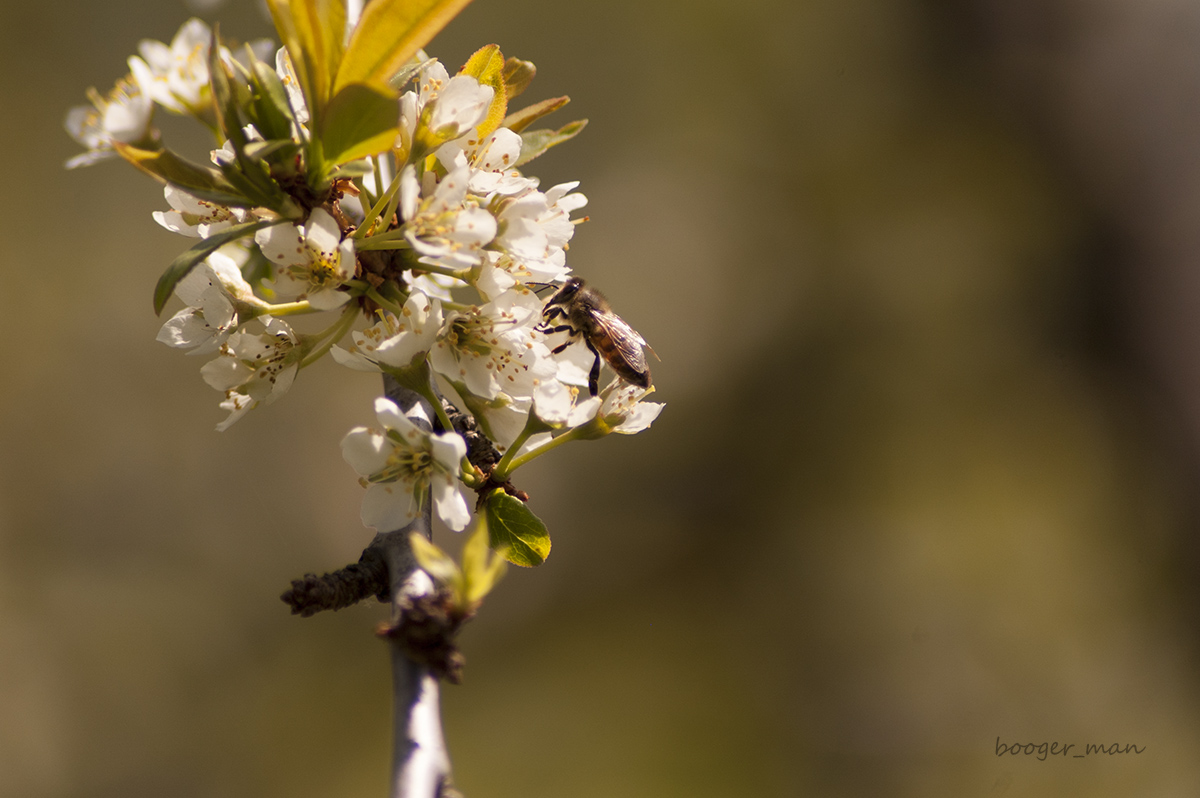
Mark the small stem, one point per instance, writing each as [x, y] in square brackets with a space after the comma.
[392, 239]
[383, 302]
[290, 308]
[516, 462]
[374, 214]
[332, 335]
[378, 175]
[503, 468]
[457, 274]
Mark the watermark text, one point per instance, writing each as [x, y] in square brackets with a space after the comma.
[1045, 750]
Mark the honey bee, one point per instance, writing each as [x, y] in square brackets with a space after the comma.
[589, 317]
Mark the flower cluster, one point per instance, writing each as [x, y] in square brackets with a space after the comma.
[416, 232]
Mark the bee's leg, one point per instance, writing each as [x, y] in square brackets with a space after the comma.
[563, 328]
[549, 315]
[554, 312]
[594, 375]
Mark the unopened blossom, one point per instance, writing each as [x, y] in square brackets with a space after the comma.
[217, 296]
[287, 76]
[495, 348]
[395, 341]
[195, 217]
[442, 227]
[311, 260]
[121, 116]
[254, 369]
[176, 75]
[399, 462]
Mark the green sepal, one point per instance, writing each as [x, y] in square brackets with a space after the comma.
[264, 150]
[202, 182]
[536, 142]
[515, 530]
[224, 102]
[272, 113]
[247, 174]
[186, 261]
[519, 120]
[254, 180]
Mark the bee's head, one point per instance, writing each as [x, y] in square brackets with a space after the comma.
[567, 292]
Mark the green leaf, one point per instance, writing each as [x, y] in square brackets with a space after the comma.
[183, 264]
[387, 35]
[407, 73]
[519, 120]
[272, 114]
[535, 142]
[361, 121]
[203, 182]
[518, 75]
[513, 527]
[248, 175]
[481, 568]
[362, 115]
[263, 150]
[436, 562]
[312, 31]
[224, 102]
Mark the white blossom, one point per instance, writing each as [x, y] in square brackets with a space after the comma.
[393, 341]
[216, 294]
[195, 217]
[398, 463]
[444, 228]
[495, 348]
[122, 116]
[491, 160]
[620, 408]
[442, 108]
[253, 369]
[311, 261]
[176, 75]
[534, 229]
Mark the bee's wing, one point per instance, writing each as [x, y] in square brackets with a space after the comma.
[626, 339]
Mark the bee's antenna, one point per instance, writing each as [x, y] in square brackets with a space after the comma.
[541, 287]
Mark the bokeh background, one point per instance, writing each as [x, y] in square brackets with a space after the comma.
[925, 280]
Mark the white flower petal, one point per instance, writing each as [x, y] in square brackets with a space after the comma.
[451, 507]
[366, 450]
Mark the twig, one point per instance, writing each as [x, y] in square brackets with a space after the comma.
[345, 587]
[420, 762]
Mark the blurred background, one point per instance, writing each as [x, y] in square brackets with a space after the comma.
[925, 280]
